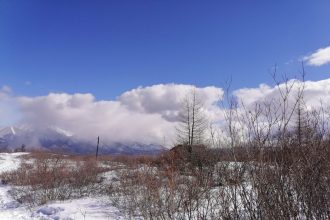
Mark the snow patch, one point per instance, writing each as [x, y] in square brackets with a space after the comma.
[80, 209]
[10, 161]
[47, 210]
[87, 208]
[12, 130]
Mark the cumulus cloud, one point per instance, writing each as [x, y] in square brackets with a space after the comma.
[87, 118]
[319, 57]
[144, 114]
[251, 95]
[166, 99]
[315, 93]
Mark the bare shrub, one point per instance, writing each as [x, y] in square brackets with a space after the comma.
[53, 177]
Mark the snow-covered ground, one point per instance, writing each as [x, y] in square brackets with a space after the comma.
[84, 208]
[10, 161]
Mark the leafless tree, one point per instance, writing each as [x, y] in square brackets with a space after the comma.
[193, 121]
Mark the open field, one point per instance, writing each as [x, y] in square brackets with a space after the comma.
[278, 185]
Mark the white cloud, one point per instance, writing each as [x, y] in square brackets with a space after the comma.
[145, 114]
[166, 99]
[87, 118]
[319, 58]
[251, 95]
[315, 94]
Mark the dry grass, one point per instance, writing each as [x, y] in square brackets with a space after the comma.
[46, 176]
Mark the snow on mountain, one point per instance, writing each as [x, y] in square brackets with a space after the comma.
[57, 139]
[12, 130]
[7, 131]
[62, 131]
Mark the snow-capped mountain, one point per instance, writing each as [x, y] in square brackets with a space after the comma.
[57, 139]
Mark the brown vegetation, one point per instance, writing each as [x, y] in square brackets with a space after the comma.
[46, 176]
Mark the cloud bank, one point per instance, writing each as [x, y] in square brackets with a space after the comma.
[316, 93]
[145, 114]
[319, 57]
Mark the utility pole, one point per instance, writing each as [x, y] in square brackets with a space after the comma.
[97, 146]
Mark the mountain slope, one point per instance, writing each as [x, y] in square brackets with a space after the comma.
[57, 139]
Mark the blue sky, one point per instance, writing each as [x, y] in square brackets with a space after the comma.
[109, 47]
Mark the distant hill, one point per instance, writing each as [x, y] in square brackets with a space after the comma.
[56, 139]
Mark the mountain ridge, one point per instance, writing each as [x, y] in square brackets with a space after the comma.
[60, 140]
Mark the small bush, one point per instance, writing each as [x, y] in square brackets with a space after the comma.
[53, 177]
